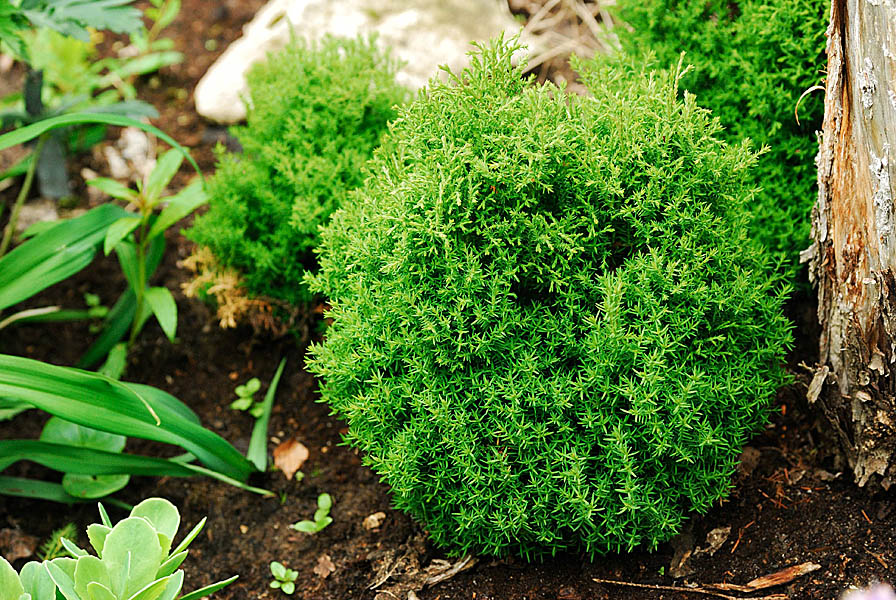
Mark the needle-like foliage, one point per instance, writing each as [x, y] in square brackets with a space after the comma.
[550, 329]
[754, 59]
[315, 115]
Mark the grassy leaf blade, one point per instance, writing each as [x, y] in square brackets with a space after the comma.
[257, 453]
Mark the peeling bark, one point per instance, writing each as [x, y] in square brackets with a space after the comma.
[853, 257]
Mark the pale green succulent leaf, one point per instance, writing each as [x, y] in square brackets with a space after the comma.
[151, 591]
[184, 544]
[37, 581]
[10, 585]
[174, 561]
[161, 514]
[175, 583]
[97, 533]
[132, 554]
[72, 547]
[97, 591]
[62, 572]
[209, 589]
[90, 569]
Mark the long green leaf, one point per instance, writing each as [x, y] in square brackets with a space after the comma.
[179, 206]
[33, 488]
[132, 410]
[166, 168]
[258, 443]
[54, 255]
[30, 132]
[126, 251]
[118, 230]
[164, 308]
[87, 461]
[47, 314]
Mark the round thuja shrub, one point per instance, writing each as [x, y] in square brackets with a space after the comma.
[549, 328]
[754, 61]
[314, 116]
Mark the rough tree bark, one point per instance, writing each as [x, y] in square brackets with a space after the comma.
[853, 258]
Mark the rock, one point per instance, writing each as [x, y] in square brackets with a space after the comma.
[374, 521]
[36, 211]
[423, 33]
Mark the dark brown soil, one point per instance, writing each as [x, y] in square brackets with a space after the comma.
[791, 502]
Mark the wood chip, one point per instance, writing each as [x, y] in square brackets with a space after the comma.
[783, 576]
[440, 570]
[688, 590]
[775, 579]
[817, 384]
[15, 544]
[290, 456]
[324, 566]
[716, 589]
[715, 539]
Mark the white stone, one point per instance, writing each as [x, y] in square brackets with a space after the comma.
[424, 34]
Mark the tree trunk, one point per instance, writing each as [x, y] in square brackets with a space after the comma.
[853, 258]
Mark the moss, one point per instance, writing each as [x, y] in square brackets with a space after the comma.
[550, 329]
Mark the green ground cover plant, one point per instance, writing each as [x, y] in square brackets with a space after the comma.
[134, 561]
[550, 330]
[315, 114]
[753, 61]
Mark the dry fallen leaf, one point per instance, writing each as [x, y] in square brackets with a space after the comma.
[290, 456]
[715, 539]
[15, 544]
[324, 566]
[373, 521]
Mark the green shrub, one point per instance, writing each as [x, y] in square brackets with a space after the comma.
[315, 115]
[753, 59]
[550, 330]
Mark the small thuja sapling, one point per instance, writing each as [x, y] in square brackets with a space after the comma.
[284, 579]
[322, 516]
[567, 334]
[246, 398]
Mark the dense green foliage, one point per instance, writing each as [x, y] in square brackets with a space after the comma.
[315, 115]
[753, 59]
[550, 329]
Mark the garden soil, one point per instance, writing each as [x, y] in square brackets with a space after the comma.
[792, 502]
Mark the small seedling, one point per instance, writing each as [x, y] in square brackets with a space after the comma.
[245, 398]
[284, 578]
[322, 516]
[95, 310]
